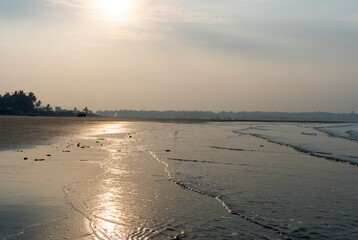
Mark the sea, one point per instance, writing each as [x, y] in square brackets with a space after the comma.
[223, 180]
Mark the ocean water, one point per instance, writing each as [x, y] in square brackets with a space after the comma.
[223, 181]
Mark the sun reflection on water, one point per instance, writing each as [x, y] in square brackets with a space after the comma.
[111, 211]
[112, 128]
[115, 211]
[108, 215]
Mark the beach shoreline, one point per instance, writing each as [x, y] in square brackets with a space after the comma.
[93, 179]
[42, 156]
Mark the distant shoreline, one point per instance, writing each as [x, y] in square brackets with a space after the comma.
[242, 116]
[180, 120]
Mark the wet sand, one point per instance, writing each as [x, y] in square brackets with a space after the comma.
[38, 157]
[143, 180]
[23, 131]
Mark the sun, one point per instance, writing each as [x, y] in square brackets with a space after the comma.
[114, 10]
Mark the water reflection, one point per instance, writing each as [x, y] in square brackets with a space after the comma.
[276, 189]
[109, 207]
[108, 214]
[112, 128]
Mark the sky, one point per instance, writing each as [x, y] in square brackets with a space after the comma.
[230, 55]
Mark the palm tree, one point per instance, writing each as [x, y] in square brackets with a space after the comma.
[32, 97]
[48, 108]
[85, 110]
[38, 104]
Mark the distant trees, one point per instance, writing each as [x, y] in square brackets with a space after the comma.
[85, 110]
[48, 108]
[232, 116]
[18, 102]
[21, 103]
[38, 104]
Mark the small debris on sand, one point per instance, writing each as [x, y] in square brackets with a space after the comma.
[261, 145]
[78, 144]
[168, 150]
[39, 159]
[48, 155]
[66, 151]
[25, 158]
[309, 134]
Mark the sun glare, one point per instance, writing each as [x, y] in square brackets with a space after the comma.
[115, 10]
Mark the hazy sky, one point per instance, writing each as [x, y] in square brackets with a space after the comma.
[269, 55]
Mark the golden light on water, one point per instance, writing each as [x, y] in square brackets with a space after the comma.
[110, 129]
[115, 10]
[108, 216]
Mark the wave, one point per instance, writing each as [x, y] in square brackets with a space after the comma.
[232, 149]
[220, 200]
[349, 132]
[353, 160]
[205, 161]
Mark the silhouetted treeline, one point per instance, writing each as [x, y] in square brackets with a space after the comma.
[238, 116]
[18, 102]
[21, 103]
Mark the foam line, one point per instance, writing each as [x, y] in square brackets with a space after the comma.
[182, 185]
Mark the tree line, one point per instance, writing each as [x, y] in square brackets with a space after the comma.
[21, 103]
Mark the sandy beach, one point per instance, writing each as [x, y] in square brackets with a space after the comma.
[70, 178]
[39, 156]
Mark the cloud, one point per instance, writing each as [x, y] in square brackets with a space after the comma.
[136, 36]
[70, 3]
[158, 11]
[177, 13]
[153, 20]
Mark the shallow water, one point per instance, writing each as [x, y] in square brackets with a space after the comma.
[222, 181]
